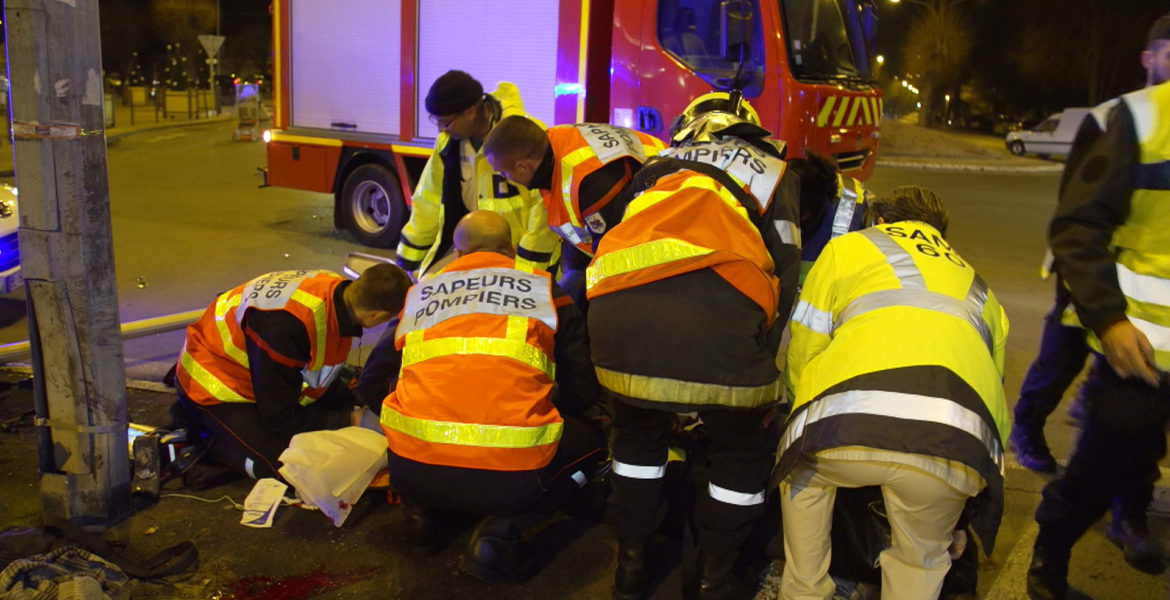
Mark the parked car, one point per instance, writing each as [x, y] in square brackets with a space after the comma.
[10, 279]
[1053, 135]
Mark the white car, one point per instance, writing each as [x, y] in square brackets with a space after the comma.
[10, 279]
[1054, 135]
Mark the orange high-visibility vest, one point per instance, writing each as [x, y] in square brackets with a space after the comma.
[213, 366]
[579, 150]
[477, 371]
[686, 222]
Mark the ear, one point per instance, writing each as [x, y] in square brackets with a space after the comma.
[1147, 59]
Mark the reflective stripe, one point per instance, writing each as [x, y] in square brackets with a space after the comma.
[677, 391]
[846, 205]
[639, 471]
[317, 307]
[695, 182]
[1158, 335]
[1143, 288]
[249, 467]
[568, 164]
[579, 478]
[913, 292]
[641, 256]
[970, 309]
[575, 235]
[471, 434]
[220, 390]
[224, 305]
[789, 232]
[815, 319]
[733, 497]
[414, 353]
[904, 268]
[898, 405]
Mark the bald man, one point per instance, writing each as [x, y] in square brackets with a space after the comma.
[473, 423]
[483, 231]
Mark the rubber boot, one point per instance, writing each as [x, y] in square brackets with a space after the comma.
[496, 552]
[1048, 574]
[633, 570]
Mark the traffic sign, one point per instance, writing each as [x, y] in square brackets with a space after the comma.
[211, 44]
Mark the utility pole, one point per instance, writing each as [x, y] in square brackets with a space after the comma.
[67, 257]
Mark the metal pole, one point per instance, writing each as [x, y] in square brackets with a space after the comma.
[134, 329]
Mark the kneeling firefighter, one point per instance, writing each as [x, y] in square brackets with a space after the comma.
[688, 297]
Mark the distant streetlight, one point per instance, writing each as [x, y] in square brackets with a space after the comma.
[880, 59]
[947, 97]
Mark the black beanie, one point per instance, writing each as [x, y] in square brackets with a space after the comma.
[1160, 30]
[453, 92]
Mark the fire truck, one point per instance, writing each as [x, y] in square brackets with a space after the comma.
[350, 78]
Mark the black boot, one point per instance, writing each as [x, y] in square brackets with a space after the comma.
[633, 570]
[1048, 574]
[1133, 537]
[496, 553]
[718, 579]
[420, 528]
[1032, 449]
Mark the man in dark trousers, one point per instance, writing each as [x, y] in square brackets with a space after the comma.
[1110, 243]
[688, 297]
[474, 422]
[262, 363]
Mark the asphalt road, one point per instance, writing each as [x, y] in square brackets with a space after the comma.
[189, 222]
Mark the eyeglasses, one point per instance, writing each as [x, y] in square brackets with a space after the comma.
[445, 122]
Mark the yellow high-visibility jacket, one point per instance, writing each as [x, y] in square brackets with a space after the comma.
[897, 345]
[524, 210]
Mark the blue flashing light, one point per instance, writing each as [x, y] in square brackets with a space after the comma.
[569, 89]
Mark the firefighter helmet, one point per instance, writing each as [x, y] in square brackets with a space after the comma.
[710, 113]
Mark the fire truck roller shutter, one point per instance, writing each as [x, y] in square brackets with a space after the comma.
[371, 205]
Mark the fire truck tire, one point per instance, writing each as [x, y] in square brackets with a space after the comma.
[372, 207]
[1016, 147]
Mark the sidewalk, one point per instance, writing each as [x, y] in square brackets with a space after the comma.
[131, 120]
[910, 146]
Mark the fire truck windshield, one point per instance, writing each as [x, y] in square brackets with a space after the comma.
[819, 45]
[720, 40]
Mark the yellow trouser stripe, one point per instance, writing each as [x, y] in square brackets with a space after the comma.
[210, 382]
[517, 350]
[677, 391]
[471, 434]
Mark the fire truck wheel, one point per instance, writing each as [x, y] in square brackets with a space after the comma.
[371, 206]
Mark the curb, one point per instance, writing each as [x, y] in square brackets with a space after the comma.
[969, 167]
[110, 136]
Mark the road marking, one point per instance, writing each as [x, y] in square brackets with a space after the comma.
[170, 136]
[1008, 584]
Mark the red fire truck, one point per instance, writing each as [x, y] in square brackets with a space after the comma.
[350, 78]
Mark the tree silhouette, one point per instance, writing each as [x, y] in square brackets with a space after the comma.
[936, 52]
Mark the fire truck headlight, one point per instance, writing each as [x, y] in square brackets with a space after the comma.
[266, 136]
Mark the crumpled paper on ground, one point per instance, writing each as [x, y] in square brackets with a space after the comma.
[331, 469]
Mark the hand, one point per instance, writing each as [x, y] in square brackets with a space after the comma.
[958, 544]
[1129, 352]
